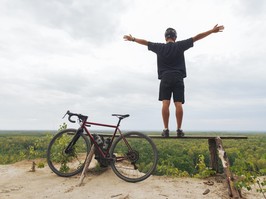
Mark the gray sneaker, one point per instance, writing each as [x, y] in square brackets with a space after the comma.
[180, 133]
[165, 133]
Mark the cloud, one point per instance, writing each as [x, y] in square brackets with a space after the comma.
[253, 9]
[225, 91]
[94, 21]
[59, 55]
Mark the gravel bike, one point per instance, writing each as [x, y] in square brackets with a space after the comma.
[132, 156]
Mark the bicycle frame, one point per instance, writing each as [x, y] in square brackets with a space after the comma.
[104, 154]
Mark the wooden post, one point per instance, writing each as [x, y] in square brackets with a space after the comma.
[86, 165]
[213, 154]
[233, 192]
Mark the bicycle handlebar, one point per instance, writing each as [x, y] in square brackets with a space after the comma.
[80, 117]
[83, 118]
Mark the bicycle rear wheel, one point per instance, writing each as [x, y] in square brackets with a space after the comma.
[71, 163]
[135, 157]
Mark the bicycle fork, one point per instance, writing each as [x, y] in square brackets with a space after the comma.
[72, 143]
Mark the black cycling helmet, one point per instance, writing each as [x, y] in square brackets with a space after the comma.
[170, 33]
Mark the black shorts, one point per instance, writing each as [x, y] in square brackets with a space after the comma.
[172, 83]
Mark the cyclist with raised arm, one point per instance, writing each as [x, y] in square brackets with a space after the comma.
[172, 70]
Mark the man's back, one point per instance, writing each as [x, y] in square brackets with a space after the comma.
[170, 56]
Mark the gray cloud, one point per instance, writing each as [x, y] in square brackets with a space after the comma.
[59, 55]
[95, 21]
[227, 93]
[246, 8]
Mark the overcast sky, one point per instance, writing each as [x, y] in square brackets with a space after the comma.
[60, 55]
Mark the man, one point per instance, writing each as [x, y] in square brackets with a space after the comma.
[172, 70]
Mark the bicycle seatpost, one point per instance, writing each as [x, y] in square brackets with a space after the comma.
[119, 121]
[120, 117]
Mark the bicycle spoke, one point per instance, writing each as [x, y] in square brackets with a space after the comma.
[137, 162]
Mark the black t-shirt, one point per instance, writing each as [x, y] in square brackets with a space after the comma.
[170, 56]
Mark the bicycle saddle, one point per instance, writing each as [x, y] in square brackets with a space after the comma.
[120, 116]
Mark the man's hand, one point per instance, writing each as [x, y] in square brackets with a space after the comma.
[139, 41]
[128, 38]
[217, 28]
[202, 35]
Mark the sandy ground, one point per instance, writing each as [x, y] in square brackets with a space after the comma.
[17, 182]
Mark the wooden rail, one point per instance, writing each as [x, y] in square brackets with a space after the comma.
[186, 137]
[198, 137]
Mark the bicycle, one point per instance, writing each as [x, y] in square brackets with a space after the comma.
[132, 156]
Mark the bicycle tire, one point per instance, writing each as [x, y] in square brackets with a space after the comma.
[135, 164]
[67, 165]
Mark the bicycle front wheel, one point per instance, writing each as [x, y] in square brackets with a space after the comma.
[134, 157]
[70, 163]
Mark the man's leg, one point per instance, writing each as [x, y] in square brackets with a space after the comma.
[179, 114]
[165, 112]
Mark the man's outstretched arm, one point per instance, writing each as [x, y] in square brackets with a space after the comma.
[139, 41]
[215, 29]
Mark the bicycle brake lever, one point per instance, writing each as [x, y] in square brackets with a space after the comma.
[65, 114]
